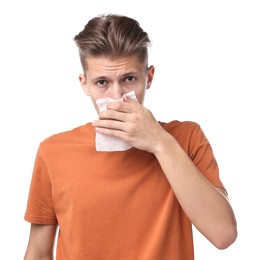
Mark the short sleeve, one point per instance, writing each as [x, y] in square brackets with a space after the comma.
[40, 209]
[201, 153]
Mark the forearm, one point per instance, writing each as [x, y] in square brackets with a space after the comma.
[30, 255]
[205, 206]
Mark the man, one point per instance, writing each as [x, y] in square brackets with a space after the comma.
[135, 203]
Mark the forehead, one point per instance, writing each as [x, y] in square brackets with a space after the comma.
[114, 64]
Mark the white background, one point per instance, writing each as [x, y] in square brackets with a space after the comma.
[207, 70]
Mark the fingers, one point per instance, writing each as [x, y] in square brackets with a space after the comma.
[119, 117]
[128, 106]
[129, 100]
[108, 126]
[113, 115]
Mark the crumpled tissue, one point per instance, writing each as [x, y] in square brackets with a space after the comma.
[109, 143]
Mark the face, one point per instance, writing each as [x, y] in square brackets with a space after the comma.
[113, 77]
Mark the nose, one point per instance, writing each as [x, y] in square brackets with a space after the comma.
[116, 91]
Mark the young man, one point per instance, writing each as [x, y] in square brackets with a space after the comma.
[137, 202]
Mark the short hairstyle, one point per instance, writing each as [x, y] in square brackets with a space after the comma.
[112, 36]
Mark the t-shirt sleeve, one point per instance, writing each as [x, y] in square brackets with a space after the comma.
[40, 209]
[201, 153]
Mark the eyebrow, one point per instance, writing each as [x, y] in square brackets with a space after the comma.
[130, 73]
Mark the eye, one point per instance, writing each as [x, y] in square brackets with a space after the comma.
[129, 79]
[102, 83]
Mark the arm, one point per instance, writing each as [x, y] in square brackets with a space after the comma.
[41, 242]
[207, 207]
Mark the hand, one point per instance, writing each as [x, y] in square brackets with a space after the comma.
[131, 122]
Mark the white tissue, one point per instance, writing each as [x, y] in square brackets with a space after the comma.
[108, 143]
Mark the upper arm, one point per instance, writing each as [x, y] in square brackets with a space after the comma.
[41, 242]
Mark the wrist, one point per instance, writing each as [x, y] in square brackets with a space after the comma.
[165, 143]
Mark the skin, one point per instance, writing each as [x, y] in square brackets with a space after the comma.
[41, 242]
[112, 78]
[212, 214]
[105, 77]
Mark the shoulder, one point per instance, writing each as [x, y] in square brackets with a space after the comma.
[188, 133]
[77, 135]
[181, 127]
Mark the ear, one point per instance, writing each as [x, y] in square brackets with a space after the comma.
[82, 80]
[150, 76]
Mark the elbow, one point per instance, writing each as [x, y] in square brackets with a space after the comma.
[226, 238]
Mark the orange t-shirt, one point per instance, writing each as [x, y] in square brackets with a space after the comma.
[114, 205]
